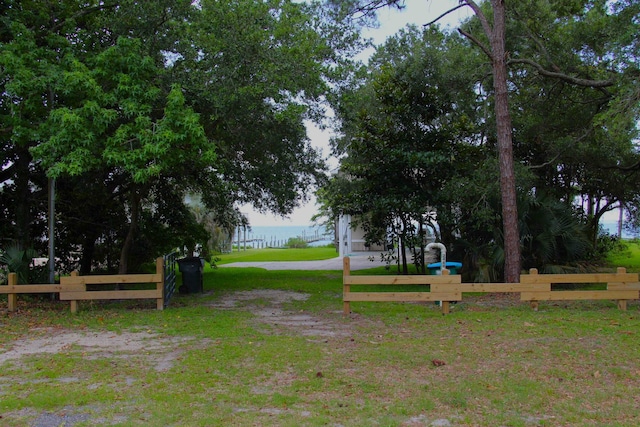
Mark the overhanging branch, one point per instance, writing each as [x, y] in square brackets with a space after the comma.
[444, 14]
[561, 76]
[477, 42]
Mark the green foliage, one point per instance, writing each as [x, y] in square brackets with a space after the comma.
[551, 234]
[208, 99]
[400, 139]
[18, 260]
[297, 243]
[419, 136]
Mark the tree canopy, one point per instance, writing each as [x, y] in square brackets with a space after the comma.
[574, 120]
[144, 102]
[131, 106]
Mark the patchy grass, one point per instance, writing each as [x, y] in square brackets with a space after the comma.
[272, 348]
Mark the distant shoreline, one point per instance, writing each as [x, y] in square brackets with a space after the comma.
[278, 235]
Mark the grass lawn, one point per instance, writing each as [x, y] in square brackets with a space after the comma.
[271, 348]
[628, 255]
[270, 254]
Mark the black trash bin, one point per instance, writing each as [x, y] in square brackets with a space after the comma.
[191, 269]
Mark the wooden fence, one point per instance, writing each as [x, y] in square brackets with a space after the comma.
[443, 288]
[74, 288]
[533, 287]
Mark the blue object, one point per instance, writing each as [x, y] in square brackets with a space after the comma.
[452, 266]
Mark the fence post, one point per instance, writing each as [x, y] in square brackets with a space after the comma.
[73, 304]
[346, 288]
[445, 304]
[160, 283]
[534, 304]
[622, 303]
[12, 299]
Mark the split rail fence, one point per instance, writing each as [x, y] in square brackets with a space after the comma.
[533, 288]
[74, 288]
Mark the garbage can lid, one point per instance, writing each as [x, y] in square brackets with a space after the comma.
[190, 260]
[448, 264]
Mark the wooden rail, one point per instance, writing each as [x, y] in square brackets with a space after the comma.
[533, 287]
[74, 295]
[442, 288]
[74, 288]
[621, 286]
[13, 290]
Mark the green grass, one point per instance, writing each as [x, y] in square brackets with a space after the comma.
[261, 255]
[627, 255]
[211, 364]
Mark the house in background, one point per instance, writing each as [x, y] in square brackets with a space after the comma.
[351, 239]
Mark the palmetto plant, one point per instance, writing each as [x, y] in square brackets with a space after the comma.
[552, 237]
[18, 261]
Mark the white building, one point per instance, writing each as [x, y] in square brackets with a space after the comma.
[351, 239]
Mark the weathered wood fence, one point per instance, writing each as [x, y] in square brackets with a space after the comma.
[74, 288]
[443, 288]
[533, 287]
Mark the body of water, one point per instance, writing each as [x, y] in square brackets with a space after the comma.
[612, 228]
[277, 236]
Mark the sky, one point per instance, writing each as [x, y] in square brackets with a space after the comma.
[416, 12]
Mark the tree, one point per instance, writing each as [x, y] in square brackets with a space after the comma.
[496, 33]
[561, 148]
[586, 64]
[208, 98]
[402, 130]
[256, 71]
[123, 121]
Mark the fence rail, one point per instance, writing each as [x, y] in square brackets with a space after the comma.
[156, 279]
[533, 287]
[74, 288]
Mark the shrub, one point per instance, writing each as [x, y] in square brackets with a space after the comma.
[297, 243]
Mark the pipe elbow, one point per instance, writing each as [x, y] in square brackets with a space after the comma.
[436, 245]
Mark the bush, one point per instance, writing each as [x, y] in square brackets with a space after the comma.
[297, 243]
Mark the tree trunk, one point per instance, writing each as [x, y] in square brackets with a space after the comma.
[620, 218]
[403, 247]
[23, 199]
[88, 251]
[128, 241]
[423, 245]
[505, 146]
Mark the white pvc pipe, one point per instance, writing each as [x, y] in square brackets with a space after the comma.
[443, 254]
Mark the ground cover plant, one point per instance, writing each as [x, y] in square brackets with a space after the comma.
[272, 348]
